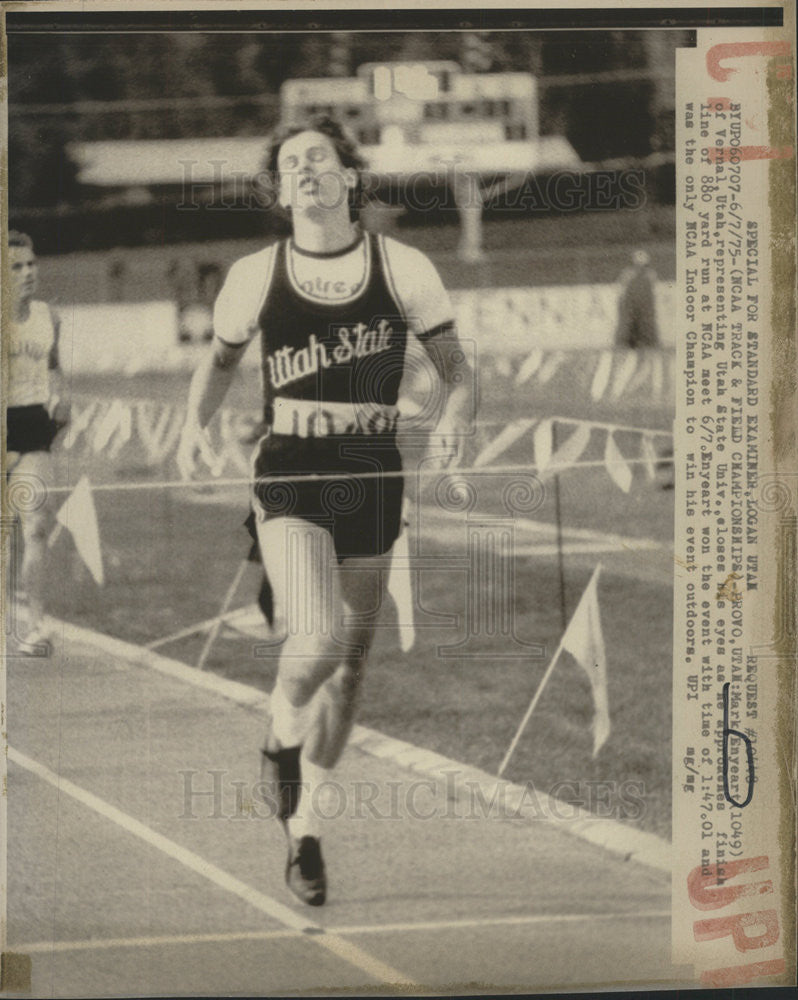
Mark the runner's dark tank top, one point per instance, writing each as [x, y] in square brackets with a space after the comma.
[346, 351]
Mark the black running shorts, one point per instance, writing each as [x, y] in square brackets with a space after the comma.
[29, 428]
[363, 513]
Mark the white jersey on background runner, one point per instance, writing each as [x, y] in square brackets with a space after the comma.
[30, 347]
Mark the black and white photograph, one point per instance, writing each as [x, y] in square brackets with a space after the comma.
[341, 357]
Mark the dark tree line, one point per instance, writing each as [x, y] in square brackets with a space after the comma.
[196, 70]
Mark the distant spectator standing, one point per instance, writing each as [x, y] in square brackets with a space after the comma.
[637, 310]
[195, 293]
[637, 326]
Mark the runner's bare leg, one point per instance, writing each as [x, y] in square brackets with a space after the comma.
[28, 480]
[363, 589]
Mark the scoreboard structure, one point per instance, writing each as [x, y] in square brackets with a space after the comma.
[421, 104]
[432, 122]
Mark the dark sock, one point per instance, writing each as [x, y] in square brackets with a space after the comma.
[288, 780]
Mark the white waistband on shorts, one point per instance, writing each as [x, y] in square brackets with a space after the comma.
[307, 418]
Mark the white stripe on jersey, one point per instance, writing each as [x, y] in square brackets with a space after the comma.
[416, 285]
[238, 305]
[389, 276]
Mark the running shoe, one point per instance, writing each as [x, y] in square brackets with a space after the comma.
[304, 873]
[36, 642]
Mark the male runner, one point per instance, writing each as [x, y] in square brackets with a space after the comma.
[332, 307]
[34, 415]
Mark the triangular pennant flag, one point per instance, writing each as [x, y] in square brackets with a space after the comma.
[80, 421]
[571, 449]
[529, 366]
[549, 367]
[656, 376]
[246, 621]
[583, 639]
[648, 454]
[400, 587]
[147, 413]
[117, 421]
[626, 370]
[602, 376]
[619, 471]
[124, 431]
[79, 517]
[159, 429]
[511, 433]
[642, 375]
[234, 430]
[542, 442]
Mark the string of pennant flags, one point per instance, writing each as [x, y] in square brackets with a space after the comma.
[606, 375]
[547, 460]
[108, 428]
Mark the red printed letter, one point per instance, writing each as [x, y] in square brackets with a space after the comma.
[709, 930]
[739, 975]
[731, 50]
[734, 154]
[706, 894]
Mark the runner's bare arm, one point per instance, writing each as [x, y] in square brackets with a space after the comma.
[457, 381]
[235, 323]
[58, 404]
[423, 300]
[212, 380]
[209, 386]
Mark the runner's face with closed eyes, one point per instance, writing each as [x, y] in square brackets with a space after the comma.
[312, 179]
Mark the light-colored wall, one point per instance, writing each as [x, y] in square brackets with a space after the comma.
[133, 337]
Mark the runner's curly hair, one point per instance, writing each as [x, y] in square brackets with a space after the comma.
[345, 147]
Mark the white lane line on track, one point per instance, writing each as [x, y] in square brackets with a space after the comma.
[46, 947]
[546, 530]
[345, 950]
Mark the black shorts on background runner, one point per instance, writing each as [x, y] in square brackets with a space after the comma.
[363, 515]
[29, 428]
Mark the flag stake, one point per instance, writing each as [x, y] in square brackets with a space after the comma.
[228, 600]
[55, 534]
[400, 585]
[195, 629]
[536, 698]
[558, 518]
[567, 641]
